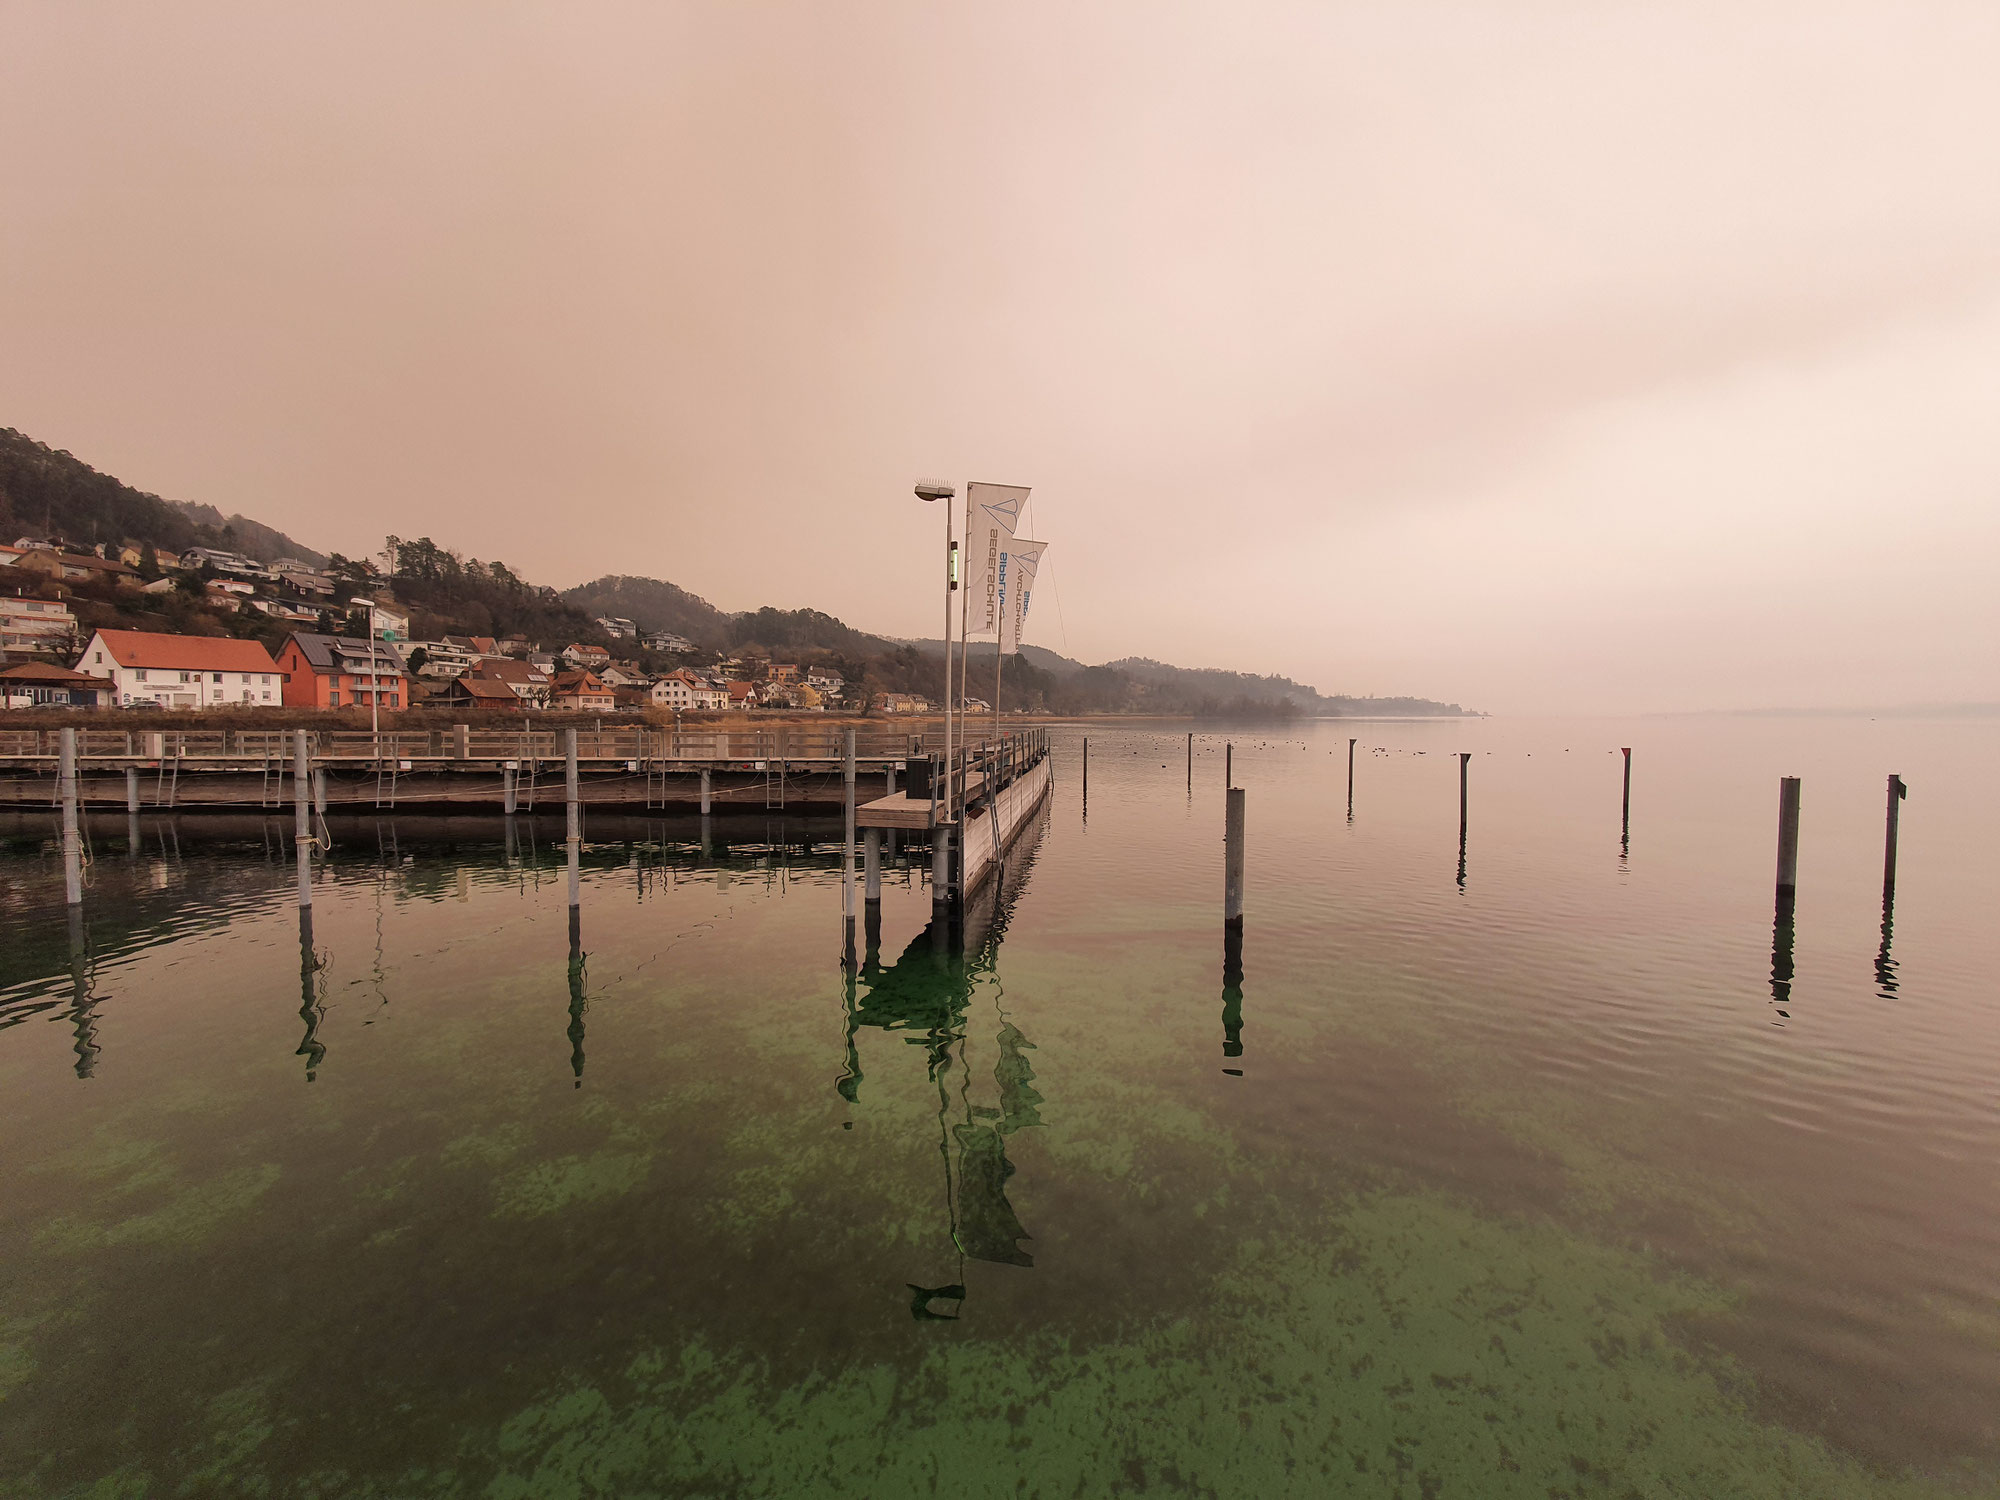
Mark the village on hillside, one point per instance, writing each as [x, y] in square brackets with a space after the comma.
[291, 634]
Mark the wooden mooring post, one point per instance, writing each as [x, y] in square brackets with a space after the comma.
[1625, 810]
[1350, 778]
[510, 797]
[575, 838]
[131, 788]
[1897, 792]
[1788, 838]
[1232, 858]
[1228, 765]
[1464, 762]
[72, 847]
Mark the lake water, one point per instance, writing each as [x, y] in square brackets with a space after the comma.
[1544, 1165]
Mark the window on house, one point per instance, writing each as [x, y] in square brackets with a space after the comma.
[218, 677]
[140, 675]
[186, 678]
[333, 700]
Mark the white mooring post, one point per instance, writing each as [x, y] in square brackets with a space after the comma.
[131, 789]
[72, 848]
[1788, 838]
[509, 798]
[871, 866]
[704, 791]
[575, 840]
[1232, 859]
[302, 823]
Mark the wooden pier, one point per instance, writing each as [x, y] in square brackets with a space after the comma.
[635, 767]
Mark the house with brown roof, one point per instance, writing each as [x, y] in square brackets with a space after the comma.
[527, 682]
[37, 684]
[582, 692]
[74, 567]
[474, 691]
[184, 671]
[587, 657]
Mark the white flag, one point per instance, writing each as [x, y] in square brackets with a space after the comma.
[1018, 566]
[992, 511]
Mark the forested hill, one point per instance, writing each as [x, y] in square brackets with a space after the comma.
[47, 492]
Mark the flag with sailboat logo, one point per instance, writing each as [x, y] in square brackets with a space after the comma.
[1019, 564]
[992, 511]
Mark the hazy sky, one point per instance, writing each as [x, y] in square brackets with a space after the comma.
[1528, 355]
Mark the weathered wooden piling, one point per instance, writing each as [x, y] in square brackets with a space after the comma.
[1350, 775]
[302, 815]
[1464, 763]
[871, 866]
[1190, 762]
[575, 839]
[704, 792]
[1086, 766]
[1232, 858]
[72, 848]
[319, 790]
[131, 788]
[1788, 837]
[1625, 812]
[1897, 792]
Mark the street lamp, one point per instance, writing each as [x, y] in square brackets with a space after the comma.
[929, 490]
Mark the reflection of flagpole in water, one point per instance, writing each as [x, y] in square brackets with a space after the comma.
[83, 1008]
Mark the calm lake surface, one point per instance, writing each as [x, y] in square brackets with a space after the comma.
[1548, 1168]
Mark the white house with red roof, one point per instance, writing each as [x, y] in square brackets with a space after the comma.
[183, 671]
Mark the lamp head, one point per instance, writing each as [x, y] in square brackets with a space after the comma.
[934, 489]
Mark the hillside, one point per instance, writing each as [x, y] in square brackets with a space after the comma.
[252, 538]
[45, 492]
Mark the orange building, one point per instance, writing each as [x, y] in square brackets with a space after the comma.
[328, 671]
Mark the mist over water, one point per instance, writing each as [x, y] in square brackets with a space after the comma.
[1531, 1153]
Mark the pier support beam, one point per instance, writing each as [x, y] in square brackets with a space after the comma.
[461, 741]
[72, 848]
[302, 820]
[1788, 838]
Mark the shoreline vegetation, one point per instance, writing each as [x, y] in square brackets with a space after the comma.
[655, 626]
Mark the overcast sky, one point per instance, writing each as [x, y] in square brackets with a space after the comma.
[1535, 356]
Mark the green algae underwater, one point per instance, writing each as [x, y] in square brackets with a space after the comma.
[1062, 1200]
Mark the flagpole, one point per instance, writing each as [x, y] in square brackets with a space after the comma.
[964, 608]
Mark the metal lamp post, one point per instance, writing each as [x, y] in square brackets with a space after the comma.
[928, 491]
